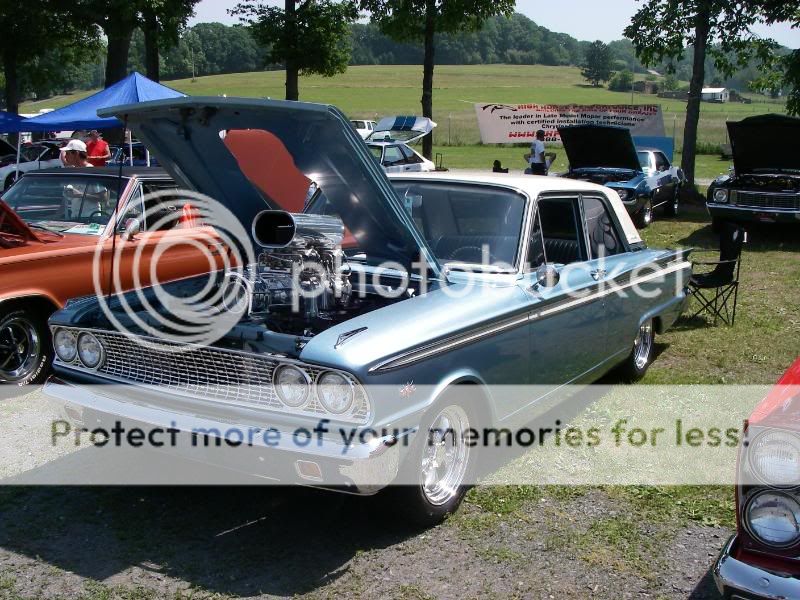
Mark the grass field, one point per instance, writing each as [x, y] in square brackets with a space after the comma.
[374, 91]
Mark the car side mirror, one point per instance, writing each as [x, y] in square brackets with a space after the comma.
[131, 228]
[547, 276]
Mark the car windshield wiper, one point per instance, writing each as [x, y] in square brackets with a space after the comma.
[43, 228]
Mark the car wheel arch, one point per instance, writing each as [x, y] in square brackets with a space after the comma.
[41, 302]
[472, 382]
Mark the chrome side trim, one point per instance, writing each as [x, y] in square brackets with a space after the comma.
[448, 344]
[591, 294]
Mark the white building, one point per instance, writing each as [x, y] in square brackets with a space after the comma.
[715, 95]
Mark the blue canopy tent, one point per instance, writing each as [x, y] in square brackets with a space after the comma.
[83, 113]
[11, 123]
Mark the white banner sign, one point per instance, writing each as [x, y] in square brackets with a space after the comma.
[512, 123]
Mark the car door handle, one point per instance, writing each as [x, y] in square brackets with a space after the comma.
[598, 274]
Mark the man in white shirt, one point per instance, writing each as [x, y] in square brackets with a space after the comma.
[537, 159]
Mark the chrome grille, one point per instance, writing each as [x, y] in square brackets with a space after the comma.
[761, 200]
[214, 374]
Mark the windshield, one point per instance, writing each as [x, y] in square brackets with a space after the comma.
[644, 159]
[359, 124]
[466, 224]
[65, 203]
[377, 151]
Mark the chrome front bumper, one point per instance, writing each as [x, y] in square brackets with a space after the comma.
[753, 213]
[736, 579]
[357, 467]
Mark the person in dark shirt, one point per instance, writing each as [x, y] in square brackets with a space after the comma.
[498, 168]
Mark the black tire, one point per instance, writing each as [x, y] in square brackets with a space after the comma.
[25, 347]
[645, 215]
[717, 224]
[672, 207]
[635, 365]
[419, 505]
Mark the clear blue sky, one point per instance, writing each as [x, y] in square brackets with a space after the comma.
[582, 19]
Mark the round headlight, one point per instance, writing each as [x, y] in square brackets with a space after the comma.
[65, 344]
[721, 195]
[291, 385]
[335, 392]
[773, 518]
[774, 457]
[90, 350]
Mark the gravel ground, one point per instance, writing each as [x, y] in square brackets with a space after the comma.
[247, 542]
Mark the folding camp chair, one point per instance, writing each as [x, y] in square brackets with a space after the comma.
[716, 289]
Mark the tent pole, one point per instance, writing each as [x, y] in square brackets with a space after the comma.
[130, 145]
[19, 151]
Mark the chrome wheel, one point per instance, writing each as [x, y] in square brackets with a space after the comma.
[647, 213]
[20, 347]
[445, 456]
[642, 345]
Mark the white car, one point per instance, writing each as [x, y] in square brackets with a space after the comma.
[396, 157]
[364, 128]
[32, 158]
[389, 143]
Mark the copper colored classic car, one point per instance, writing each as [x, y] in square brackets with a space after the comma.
[50, 224]
[761, 560]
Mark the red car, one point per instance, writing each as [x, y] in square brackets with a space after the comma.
[51, 223]
[763, 559]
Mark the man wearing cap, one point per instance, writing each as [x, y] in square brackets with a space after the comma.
[83, 200]
[75, 154]
[98, 149]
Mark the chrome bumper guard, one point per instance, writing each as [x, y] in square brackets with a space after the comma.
[737, 580]
[360, 467]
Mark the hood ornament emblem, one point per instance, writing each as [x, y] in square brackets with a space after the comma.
[347, 336]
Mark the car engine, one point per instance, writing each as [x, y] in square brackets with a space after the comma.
[300, 283]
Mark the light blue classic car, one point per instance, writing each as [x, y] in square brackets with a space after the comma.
[428, 290]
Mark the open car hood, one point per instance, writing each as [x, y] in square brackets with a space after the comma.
[597, 146]
[13, 230]
[303, 144]
[765, 143]
[401, 129]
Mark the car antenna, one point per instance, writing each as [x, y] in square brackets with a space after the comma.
[115, 216]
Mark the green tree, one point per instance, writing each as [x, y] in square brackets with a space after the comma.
[161, 22]
[306, 36]
[783, 69]
[421, 20]
[720, 29]
[597, 64]
[621, 82]
[27, 34]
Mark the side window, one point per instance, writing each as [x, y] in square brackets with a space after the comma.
[560, 234]
[662, 164]
[51, 154]
[603, 237]
[392, 156]
[411, 156]
[165, 211]
[133, 210]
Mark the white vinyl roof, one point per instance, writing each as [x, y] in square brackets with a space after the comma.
[533, 186]
[713, 90]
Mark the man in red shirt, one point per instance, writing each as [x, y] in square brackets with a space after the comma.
[98, 149]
